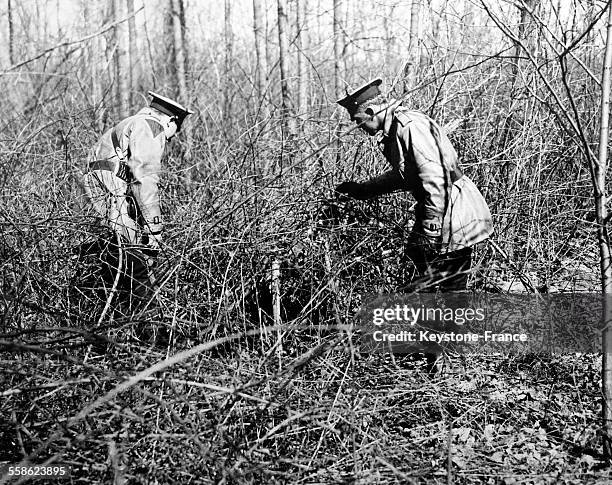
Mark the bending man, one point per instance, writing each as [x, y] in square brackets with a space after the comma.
[451, 214]
[122, 185]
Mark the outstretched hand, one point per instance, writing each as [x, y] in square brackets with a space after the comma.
[153, 245]
[354, 190]
[427, 243]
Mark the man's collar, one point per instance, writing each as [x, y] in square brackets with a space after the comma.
[387, 110]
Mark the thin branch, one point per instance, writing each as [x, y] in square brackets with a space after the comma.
[588, 29]
[567, 50]
[71, 42]
[563, 109]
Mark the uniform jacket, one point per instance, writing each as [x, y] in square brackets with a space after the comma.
[450, 210]
[142, 141]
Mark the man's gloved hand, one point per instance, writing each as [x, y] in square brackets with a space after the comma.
[354, 190]
[153, 244]
[429, 245]
[427, 241]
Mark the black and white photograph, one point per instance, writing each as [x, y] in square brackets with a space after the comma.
[305, 242]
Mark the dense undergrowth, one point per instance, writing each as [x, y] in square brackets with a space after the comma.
[335, 417]
[300, 404]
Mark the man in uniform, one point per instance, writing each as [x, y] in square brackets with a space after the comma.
[451, 215]
[122, 185]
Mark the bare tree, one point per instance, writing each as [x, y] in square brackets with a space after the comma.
[180, 50]
[11, 33]
[339, 83]
[92, 53]
[569, 116]
[169, 67]
[405, 77]
[261, 69]
[121, 66]
[229, 46]
[601, 211]
[302, 74]
[413, 45]
[181, 13]
[270, 26]
[523, 34]
[132, 49]
[339, 42]
[389, 37]
[283, 61]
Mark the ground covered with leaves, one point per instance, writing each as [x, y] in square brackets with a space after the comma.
[321, 415]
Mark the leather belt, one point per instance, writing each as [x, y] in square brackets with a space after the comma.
[104, 164]
[119, 168]
[107, 164]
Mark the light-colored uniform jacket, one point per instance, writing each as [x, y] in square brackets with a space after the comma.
[142, 141]
[450, 210]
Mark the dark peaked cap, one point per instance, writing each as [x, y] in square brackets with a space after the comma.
[169, 107]
[366, 92]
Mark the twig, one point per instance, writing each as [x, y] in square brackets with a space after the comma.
[115, 460]
[524, 279]
[70, 42]
[143, 375]
[115, 283]
[449, 453]
[276, 304]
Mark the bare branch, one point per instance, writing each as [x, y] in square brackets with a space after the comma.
[71, 42]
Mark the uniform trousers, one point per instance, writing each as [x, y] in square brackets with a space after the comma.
[111, 199]
[439, 272]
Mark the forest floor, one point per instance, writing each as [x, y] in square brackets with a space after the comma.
[329, 415]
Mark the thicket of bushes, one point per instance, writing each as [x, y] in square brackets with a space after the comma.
[238, 196]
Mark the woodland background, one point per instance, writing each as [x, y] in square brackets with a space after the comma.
[255, 238]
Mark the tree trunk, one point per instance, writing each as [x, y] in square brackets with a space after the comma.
[91, 65]
[347, 50]
[121, 68]
[412, 62]
[185, 44]
[134, 58]
[58, 20]
[604, 249]
[339, 83]
[270, 25]
[404, 80]
[276, 307]
[302, 74]
[283, 47]
[338, 48]
[389, 37]
[414, 25]
[261, 69]
[11, 33]
[169, 59]
[524, 18]
[180, 51]
[229, 45]
[589, 15]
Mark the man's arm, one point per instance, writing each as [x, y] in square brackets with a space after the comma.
[145, 163]
[434, 205]
[424, 142]
[385, 183]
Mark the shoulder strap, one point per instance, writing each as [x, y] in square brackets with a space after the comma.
[116, 144]
[122, 171]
